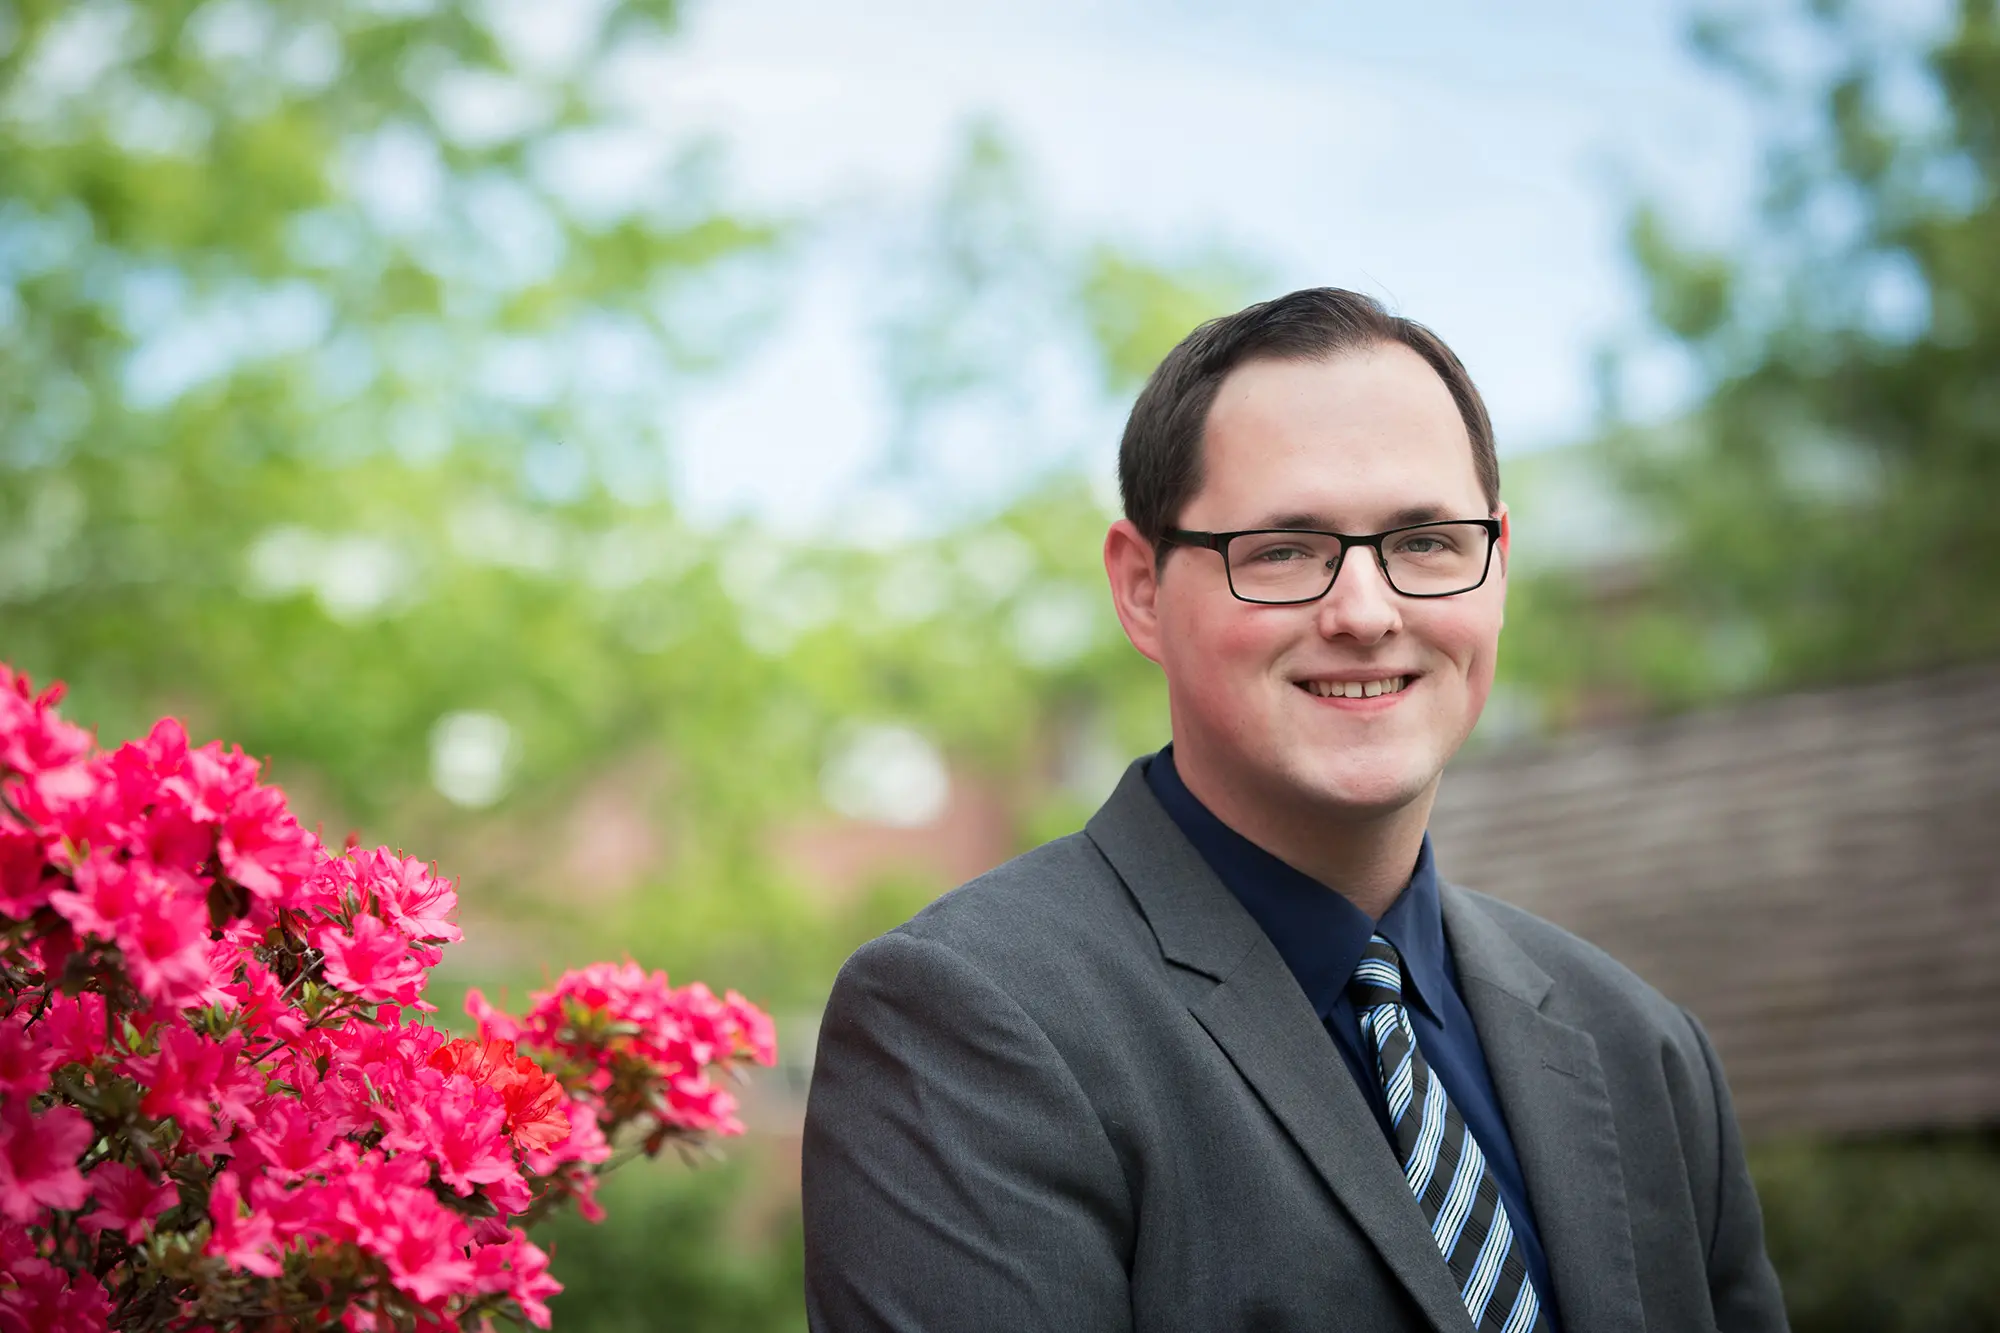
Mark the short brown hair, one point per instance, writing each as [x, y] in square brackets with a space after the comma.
[1159, 460]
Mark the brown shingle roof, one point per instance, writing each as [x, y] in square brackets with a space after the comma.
[1817, 877]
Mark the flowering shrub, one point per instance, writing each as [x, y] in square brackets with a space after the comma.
[216, 1111]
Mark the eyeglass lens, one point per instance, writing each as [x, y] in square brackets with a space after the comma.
[1431, 561]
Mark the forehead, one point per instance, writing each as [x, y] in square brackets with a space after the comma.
[1353, 436]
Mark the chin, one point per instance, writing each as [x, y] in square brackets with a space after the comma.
[1364, 788]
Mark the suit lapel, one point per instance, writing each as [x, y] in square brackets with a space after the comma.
[1256, 1013]
[1552, 1092]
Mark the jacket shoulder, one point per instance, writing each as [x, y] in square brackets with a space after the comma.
[1040, 923]
[1594, 981]
[1046, 894]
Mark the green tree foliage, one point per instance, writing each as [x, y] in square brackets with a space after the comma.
[674, 1256]
[1890, 1236]
[318, 299]
[1828, 508]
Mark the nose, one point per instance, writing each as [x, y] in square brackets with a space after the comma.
[1360, 605]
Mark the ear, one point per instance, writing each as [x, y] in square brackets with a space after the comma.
[1134, 575]
[1506, 535]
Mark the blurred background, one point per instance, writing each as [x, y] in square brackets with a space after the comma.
[651, 458]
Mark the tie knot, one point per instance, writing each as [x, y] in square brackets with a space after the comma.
[1379, 978]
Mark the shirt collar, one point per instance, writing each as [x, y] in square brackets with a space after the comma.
[1320, 935]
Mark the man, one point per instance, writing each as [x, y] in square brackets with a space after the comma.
[1233, 1057]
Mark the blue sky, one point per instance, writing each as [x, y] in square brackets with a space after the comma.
[1469, 163]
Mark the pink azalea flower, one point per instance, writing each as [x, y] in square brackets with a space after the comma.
[38, 1156]
[244, 1238]
[424, 1249]
[72, 1029]
[126, 848]
[189, 1075]
[74, 804]
[47, 1299]
[17, 1248]
[756, 1033]
[25, 877]
[260, 1003]
[287, 1140]
[585, 1144]
[32, 738]
[165, 948]
[462, 1128]
[264, 849]
[157, 917]
[25, 1058]
[373, 962]
[493, 1023]
[127, 1200]
[519, 1268]
[416, 901]
[210, 780]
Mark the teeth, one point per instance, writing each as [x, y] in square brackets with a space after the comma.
[1356, 689]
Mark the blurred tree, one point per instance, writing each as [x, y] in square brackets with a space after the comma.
[1827, 509]
[315, 314]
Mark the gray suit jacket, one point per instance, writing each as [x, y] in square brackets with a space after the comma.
[1084, 1092]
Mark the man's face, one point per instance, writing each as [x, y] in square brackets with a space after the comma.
[1358, 444]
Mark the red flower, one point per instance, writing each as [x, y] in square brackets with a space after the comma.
[536, 1104]
[38, 1159]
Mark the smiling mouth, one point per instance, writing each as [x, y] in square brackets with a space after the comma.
[1356, 689]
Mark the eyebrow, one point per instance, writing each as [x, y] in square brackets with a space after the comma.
[1402, 518]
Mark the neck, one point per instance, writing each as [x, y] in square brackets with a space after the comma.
[1366, 856]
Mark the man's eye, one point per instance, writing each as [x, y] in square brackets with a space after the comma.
[1426, 543]
[1277, 555]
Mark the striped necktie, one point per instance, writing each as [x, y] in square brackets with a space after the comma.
[1441, 1160]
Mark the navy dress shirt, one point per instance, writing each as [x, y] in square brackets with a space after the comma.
[1321, 937]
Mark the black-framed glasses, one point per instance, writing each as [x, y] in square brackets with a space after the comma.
[1285, 566]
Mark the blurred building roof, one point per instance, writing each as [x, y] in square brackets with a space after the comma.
[1817, 877]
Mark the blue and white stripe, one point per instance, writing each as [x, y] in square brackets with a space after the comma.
[1468, 1220]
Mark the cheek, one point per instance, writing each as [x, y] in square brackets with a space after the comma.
[1214, 652]
[1470, 639]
